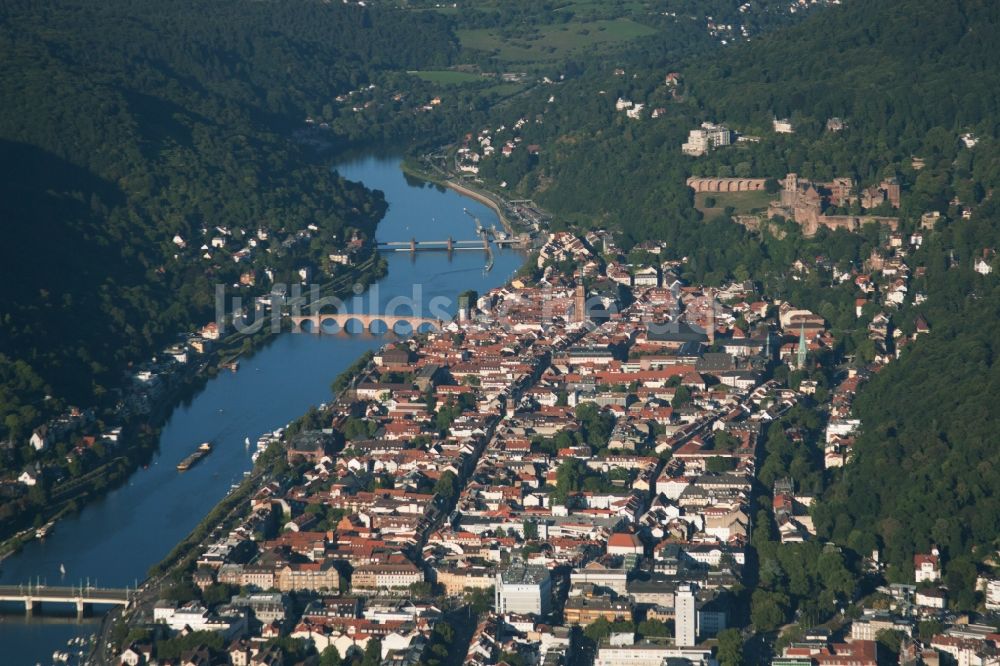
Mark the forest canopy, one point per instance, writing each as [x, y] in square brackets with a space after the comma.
[127, 124]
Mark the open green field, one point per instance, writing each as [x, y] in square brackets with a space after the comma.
[602, 8]
[447, 76]
[580, 8]
[742, 202]
[552, 42]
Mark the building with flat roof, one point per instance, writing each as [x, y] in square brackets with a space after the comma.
[587, 608]
[523, 588]
[686, 616]
[650, 653]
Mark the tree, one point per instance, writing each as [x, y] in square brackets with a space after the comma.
[730, 648]
[181, 592]
[373, 653]
[720, 464]
[598, 630]
[133, 635]
[725, 442]
[653, 628]
[569, 478]
[294, 649]
[768, 609]
[330, 657]
[530, 530]
[446, 416]
[445, 487]
[890, 639]
[218, 593]
[512, 658]
[445, 632]
[927, 629]
[355, 428]
[173, 648]
[422, 589]
[597, 423]
[682, 396]
[480, 600]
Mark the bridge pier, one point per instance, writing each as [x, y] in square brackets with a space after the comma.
[413, 245]
[30, 605]
[451, 244]
[82, 608]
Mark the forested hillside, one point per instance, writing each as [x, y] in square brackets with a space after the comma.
[127, 123]
[908, 78]
[928, 467]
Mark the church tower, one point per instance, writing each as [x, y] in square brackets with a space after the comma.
[580, 300]
[800, 356]
[710, 328]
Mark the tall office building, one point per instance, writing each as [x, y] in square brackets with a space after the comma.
[523, 588]
[686, 615]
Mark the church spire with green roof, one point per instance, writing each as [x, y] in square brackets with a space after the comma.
[801, 355]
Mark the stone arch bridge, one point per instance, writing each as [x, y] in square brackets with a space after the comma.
[314, 323]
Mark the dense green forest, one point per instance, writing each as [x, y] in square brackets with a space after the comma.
[927, 463]
[127, 123]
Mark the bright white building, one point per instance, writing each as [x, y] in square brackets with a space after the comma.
[198, 618]
[993, 594]
[650, 654]
[523, 589]
[686, 615]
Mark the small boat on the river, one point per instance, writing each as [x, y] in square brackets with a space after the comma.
[189, 462]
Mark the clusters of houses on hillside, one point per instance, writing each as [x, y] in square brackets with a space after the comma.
[81, 433]
[242, 246]
[905, 611]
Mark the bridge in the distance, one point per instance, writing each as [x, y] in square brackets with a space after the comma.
[365, 321]
[83, 596]
[448, 245]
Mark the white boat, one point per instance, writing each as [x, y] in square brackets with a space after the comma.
[246, 442]
[62, 569]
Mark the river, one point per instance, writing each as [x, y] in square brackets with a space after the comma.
[113, 541]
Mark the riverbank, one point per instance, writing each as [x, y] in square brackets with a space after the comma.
[182, 556]
[411, 168]
[139, 435]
